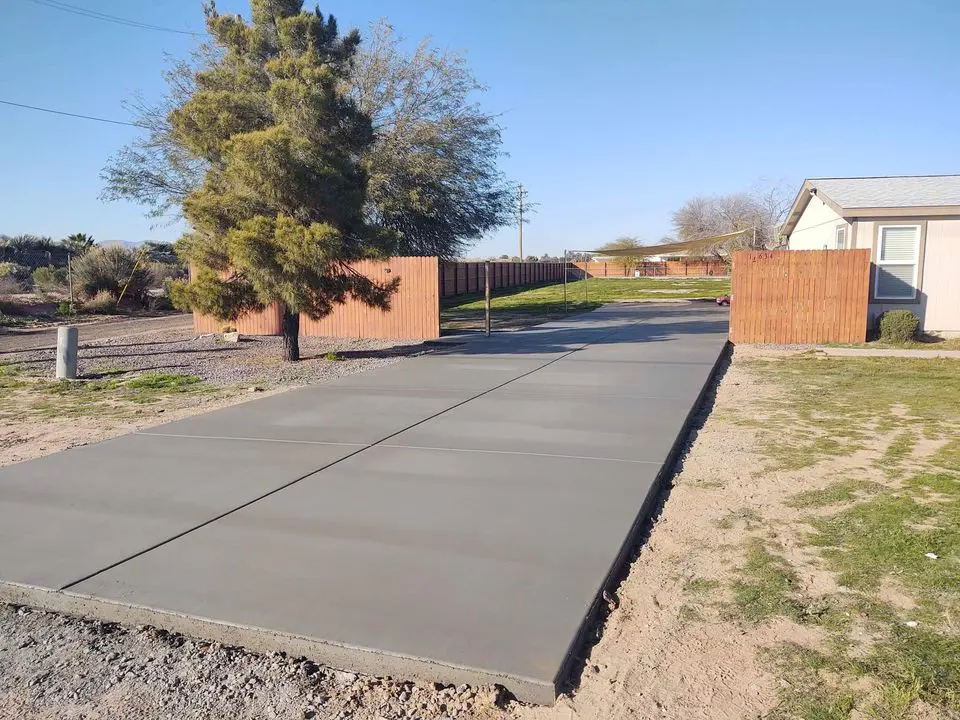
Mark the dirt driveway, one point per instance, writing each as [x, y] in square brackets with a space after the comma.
[107, 328]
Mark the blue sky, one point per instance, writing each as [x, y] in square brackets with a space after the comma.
[615, 111]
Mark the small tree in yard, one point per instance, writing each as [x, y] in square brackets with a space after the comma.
[280, 212]
[628, 263]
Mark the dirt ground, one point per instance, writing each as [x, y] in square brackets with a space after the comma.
[680, 641]
[91, 328]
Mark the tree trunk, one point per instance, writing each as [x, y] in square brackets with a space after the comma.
[291, 335]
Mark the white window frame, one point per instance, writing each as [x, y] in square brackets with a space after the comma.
[838, 242]
[880, 263]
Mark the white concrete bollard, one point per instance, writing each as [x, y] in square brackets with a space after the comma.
[67, 353]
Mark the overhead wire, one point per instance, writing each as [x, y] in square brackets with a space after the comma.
[70, 114]
[106, 17]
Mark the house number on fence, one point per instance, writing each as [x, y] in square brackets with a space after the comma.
[762, 256]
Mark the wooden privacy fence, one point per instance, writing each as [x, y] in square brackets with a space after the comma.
[414, 312]
[669, 268]
[466, 278]
[800, 296]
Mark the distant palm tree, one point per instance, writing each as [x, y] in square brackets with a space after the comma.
[78, 243]
[29, 243]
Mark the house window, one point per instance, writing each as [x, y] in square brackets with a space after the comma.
[841, 237]
[898, 254]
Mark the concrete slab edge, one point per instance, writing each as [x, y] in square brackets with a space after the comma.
[339, 656]
[617, 569]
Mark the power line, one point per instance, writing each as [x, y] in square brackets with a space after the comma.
[96, 15]
[70, 114]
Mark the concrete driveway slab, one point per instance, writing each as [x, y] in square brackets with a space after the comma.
[67, 515]
[575, 377]
[452, 372]
[329, 413]
[483, 561]
[462, 531]
[608, 427]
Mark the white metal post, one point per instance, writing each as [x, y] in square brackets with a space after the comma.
[67, 353]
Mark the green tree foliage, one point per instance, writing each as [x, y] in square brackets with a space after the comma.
[161, 252]
[78, 243]
[433, 168]
[280, 213]
[627, 262]
[26, 243]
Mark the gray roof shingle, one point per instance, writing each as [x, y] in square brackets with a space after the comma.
[890, 192]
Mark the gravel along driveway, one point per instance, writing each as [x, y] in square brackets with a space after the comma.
[54, 666]
[252, 360]
[108, 327]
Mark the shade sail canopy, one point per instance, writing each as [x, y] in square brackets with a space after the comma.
[668, 248]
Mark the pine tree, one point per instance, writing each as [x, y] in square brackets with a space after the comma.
[279, 215]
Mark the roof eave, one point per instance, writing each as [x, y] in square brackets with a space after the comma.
[807, 191]
[907, 211]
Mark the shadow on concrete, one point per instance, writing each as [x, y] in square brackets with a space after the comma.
[556, 337]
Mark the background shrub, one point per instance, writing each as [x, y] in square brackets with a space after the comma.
[107, 269]
[102, 303]
[16, 273]
[898, 326]
[162, 272]
[48, 279]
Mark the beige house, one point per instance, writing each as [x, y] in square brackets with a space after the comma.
[911, 226]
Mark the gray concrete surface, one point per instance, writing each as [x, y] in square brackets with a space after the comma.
[480, 500]
[67, 515]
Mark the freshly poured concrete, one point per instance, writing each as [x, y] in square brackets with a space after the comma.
[65, 516]
[485, 561]
[324, 414]
[479, 500]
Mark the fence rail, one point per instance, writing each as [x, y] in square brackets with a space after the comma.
[668, 268]
[800, 296]
[414, 312]
[466, 278]
[414, 309]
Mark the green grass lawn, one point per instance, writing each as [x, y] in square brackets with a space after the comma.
[924, 342]
[887, 529]
[25, 396]
[519, 307]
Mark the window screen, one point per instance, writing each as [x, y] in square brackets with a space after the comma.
[841, 243]
[897, 256]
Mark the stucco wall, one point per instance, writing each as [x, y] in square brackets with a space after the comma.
[817, 228]
[941, 276]
[938, 298]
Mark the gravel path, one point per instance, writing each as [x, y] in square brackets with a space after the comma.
[254, 360]
[54, 666]
[108, 327]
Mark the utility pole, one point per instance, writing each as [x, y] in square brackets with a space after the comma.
[520, 224]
